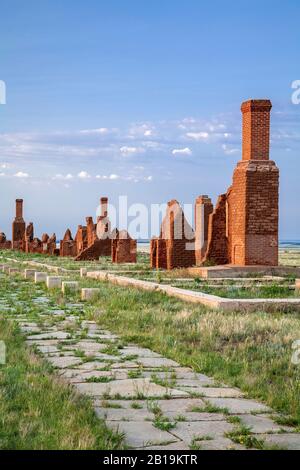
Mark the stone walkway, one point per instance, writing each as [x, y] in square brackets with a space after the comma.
[154, 401]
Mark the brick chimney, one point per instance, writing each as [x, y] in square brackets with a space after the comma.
[103, 205]
[19, 209]
[256, 129]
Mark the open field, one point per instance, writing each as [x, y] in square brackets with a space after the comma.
[249, 351]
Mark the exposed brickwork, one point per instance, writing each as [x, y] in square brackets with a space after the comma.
[4, 244]
[175, 248]
[97, 249]
[123, 248]
[91, 231]
[18, 227]
[81, 238]
[203, 209]
[217, 245]
[253, 198]
[68, 246]
[256, 129]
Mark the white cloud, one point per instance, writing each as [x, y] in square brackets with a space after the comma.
[101, 131]
[185, 151]
[197, 135]
[228, 150]
[114, 177]
[84, 175]
[126, 151]
[63, 177]
[20, 174]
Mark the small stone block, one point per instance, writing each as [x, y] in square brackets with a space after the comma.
[89, 294]
[69, 287]
[29, 273]
[83, 272]
[53, 282]
[40, 277]
[13, 271]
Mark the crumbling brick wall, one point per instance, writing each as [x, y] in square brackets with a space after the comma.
[217, 244]
[203, 209]
[123, 248]
[68, 246]
[4, 243]
[175, 248]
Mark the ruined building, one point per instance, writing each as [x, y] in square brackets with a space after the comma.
[123, 248]
[98, 236]
[242, 229]
[175, 247]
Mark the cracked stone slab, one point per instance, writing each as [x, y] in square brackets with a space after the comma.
[180, 445]
[179, 405]
[189, 431]
[239, 405]
[262, 424]
[139, 435]
[121, 414]
[286, 441]
[128, 388]
[218, 392]
[157, 362]
[191, 416]
[50, 335]
[220, 443]
[91, 365]
[64, 362]
[137, 351]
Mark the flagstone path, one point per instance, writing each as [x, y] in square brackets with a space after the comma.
[154, 401]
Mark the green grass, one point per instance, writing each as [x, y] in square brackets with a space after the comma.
[249, 351]
[39, 411]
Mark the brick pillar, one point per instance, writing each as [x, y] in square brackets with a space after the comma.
[256, 129]
[253, 197]
[103, 205]
[203, 209]
[18, 227]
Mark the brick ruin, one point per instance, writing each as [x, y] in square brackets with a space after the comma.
[175, 247]
[242, 229]
[97, 236]
[124, 248]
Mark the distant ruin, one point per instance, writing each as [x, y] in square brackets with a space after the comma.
[240, 230]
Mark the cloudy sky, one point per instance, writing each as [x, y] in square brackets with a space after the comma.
[140, 99]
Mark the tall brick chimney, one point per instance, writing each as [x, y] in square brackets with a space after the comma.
[103, 205]
[18, 227]
[256, 129]
[252, 200]
[19, 209]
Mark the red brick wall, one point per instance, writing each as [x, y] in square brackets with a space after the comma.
[256, 129]
[175, 248]
[217, 246]
[203, 209]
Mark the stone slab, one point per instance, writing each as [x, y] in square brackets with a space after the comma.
[262, 424]
[189, 431]
[53, 282]
[239, 405]
[89, 293]
[286, 441]
[64, 362]
[69, 287]
[29, 273]
[40, 277]
[129, 388]
[139, 435]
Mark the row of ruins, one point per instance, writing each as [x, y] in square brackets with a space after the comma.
[241, 230]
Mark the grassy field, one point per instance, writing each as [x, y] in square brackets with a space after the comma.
[250, 351]
[38, 410]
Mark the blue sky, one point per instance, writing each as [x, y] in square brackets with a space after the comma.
[142, 99]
